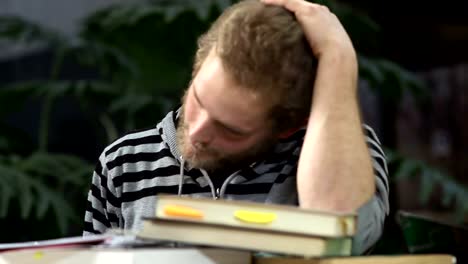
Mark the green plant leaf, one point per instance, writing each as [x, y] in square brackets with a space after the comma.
[14, 96]
[64, 214]
[6, 192]
[430, 178]
[462, 208]
[43, 204]
[58, 166]
[131, 103]
[160, 72]
[4, 143]
[370, 71]
[427, 186]
[402, 79]
[42, 164]
[408, 168]
[21, 30]
[392, 156]
[78, 170]
[22, 188]
[172, 9]
[6, 197]
[449, 193]
[23, 183]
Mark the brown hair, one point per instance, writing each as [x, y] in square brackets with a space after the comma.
[264, 49]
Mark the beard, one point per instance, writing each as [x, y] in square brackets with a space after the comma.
[210, 159]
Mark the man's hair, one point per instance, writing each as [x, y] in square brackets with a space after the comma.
[264, 49]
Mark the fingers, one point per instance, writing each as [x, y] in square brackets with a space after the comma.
[296, 6]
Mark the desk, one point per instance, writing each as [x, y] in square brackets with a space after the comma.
[124, 256]
[192, 256]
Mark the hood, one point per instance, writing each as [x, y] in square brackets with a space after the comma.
[169, 132]
[169, 135]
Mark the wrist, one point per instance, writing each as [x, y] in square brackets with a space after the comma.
[339, 57]
[339, 63]
[336, 81]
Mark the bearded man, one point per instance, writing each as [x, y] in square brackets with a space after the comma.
[271, 116]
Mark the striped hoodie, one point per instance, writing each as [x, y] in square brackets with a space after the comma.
[135, 168]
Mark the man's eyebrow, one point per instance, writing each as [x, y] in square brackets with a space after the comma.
[224, 125]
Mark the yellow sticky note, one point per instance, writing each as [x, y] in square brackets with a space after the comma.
[254, 217]
[38, 255]
[182, 211]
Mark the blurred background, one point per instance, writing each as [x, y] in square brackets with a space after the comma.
[75, 75]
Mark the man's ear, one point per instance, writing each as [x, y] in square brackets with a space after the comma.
[291, 131]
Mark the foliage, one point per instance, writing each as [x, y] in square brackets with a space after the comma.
[39, 182]
[431, 177]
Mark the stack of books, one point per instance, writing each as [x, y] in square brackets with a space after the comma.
[257, 227]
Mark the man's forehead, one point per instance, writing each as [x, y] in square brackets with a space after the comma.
[233, 108]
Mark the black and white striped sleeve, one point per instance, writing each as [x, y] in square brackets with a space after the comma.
[103, 209]
[379, 164]
[371, 216]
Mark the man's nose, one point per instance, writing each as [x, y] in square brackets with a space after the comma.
[201, 131]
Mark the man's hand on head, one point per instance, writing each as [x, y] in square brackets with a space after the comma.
[323, 30]
[335, 168]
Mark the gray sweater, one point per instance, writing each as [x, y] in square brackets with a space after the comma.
[134, 169]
